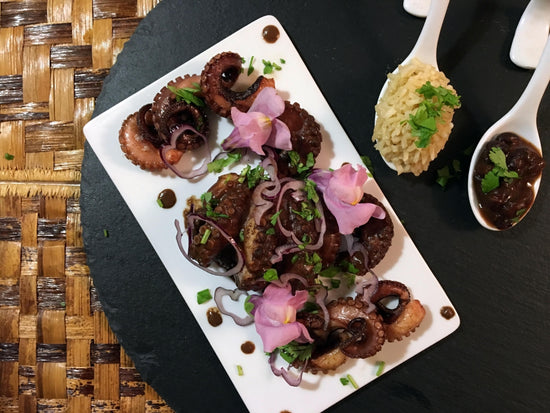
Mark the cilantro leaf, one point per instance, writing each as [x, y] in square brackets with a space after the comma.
[203, 296]
[491, 180]
[293, 350]
[187, 94]
[219, 164]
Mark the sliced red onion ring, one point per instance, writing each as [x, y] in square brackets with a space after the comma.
[234, 295]
[320, 298]
[365, 286]
[285, 278]
[193, 217]
[291, 379]
[201, 170]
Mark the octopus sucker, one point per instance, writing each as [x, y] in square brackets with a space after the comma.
[136, 147]
[305, 135]
[401, 318]
[218, 78]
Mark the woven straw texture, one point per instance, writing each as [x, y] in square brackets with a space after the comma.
[57, 352]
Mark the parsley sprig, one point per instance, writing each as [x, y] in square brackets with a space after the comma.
[293, 350]
[491, 180]
[219, 164]
[423, 122]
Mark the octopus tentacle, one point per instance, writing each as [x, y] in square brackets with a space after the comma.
[407, 322]
[136, 147]
[217, 79]
[390, 290]
[305, 135]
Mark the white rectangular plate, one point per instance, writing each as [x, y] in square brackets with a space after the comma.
[260, 390]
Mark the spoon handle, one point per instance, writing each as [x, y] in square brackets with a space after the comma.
[529, 101]
[425, 48]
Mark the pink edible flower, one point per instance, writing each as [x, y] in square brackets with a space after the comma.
[275, 316]
[260, 126]
[342, 192]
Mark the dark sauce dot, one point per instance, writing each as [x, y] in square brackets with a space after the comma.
[167, 198]
[214, 316]
[270, 33]
[447, 312]
[248, 347]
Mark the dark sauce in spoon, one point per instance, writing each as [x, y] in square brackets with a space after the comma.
[504, 206]
[167, 198]
[270, 33]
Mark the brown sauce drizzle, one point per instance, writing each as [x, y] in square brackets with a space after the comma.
[167, 198]
[248, 347]
[270, 33]
[447, 312]
[504, 206]
[214, 316]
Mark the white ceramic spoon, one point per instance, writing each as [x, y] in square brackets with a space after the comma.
[521, 120]
[418, 8]
[531, 33]
[425, 48]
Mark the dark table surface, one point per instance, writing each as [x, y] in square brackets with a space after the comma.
[498, 360]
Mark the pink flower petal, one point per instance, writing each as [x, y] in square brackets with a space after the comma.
[252, 130]
[275, 316]
[280, 136]
[347, 183]
[349, 216]
[268, 102]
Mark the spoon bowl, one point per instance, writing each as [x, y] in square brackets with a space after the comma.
[520, 120]
[425, 48]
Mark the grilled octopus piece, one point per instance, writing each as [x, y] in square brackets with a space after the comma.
[229, 206]
[217, 80]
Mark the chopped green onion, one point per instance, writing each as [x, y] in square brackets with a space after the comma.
[380, 369]
[206, 235]
[271, 275]
[159, 202]
[352, 381]
[204, 296]
[240, 371]
[250, 67]
[105, 233]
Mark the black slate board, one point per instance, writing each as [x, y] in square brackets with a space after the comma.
[499, 282]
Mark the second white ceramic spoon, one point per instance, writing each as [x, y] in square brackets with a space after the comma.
[521, 120]
[531, 33]
[425, 48]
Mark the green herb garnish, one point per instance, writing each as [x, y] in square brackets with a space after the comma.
[423, 122]
[205, 236]
[380, 367]
[519, 214]
[248, 306]
[368, 163]
[240, 371]
[269, 67]
[293, 350]
[491, 180]
[275, 217]
[253, 175]
[250, 67]
[210, 204]
[344, 381]
[105, 233]
[308, 213]
[311, 191]
[352, 381]
[271, 275]
[219, 164]
[8, 156]
[188, 94]
[203, 296]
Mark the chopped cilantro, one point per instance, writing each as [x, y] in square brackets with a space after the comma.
[270, 231]
[311, 191]
[283, 61]
[218, 164]
[368, 163]
[203, 296]
[253, 175]
[380, 367]
[8, 156]
[293, 350]
[491, 180]
[423, 122]
[248, 306]
[308, 213]
[210, 204]
[188, 94]
[519, 214]
[344, 381]
[271, 275]
[275, 217]
[269, 67]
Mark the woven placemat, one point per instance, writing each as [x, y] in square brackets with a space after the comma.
[57, 352]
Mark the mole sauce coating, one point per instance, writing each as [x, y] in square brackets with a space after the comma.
[248, 347]
[504, 206]
[270, 33]
[214, 316]
[167, 198]
[447, 312]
